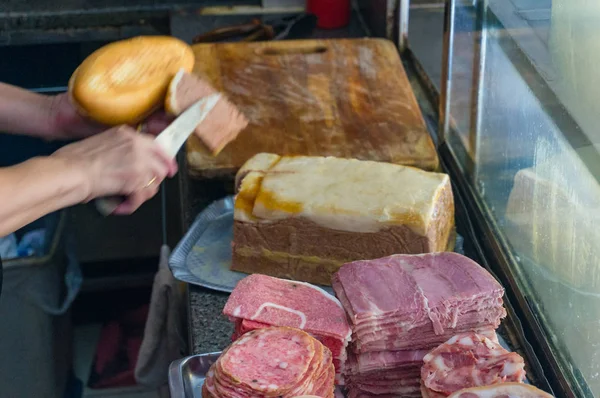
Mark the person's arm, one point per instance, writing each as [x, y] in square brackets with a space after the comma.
[54, 117]
[37, 187]
[119, 161]
[25, 112]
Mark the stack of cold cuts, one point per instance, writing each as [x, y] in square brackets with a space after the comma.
[403, 306]
[272, 362]
[260, 301]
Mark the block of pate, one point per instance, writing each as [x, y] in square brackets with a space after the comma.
[302, 217]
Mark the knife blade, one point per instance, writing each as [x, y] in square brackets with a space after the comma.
[171, 140]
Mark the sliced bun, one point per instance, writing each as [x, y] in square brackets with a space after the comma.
[125, 81]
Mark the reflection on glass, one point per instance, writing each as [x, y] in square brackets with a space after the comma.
[530, 143]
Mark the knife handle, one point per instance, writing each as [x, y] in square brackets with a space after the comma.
[106, 206]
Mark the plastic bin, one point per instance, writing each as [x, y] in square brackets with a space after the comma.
[35, 322]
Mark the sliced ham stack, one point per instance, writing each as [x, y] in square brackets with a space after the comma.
[468, 360]
[261, 301]
[403, 306]
[272, 362]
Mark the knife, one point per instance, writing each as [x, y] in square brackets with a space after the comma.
[170, 140]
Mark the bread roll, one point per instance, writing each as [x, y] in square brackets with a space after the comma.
[125, 81]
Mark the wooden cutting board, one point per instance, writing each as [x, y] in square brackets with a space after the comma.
[346, 98]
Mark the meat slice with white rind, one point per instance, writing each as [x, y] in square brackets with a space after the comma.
[468, 360]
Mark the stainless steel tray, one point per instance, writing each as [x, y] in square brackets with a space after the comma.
[186, 376]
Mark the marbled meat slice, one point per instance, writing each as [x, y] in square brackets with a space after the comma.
[468, 360]
[274, 362]
[325, 387]
[502, 390]
[320, 377]
[205, 392]
[416, 289]
[315, 370]
[283, 361]
[335, 345]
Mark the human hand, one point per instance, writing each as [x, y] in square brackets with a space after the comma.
[120, 162]
[68, 124]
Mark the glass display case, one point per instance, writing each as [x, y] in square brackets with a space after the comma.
[518, 127]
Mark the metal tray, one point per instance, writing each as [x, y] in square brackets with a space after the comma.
[186, 376]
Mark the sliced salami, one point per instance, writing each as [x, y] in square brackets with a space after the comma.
[272, 362]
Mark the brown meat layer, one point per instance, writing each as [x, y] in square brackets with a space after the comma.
[302, 250]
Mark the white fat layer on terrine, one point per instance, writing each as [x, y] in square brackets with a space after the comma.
[335, 193]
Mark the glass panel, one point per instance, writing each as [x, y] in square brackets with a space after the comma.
[425, 32]
[525, 119]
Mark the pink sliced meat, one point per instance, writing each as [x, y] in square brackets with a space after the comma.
[282, 302]
[403, 306]
[436, 287]
[424, 341]
[483, 316]
[400, 374]
[385, 372]
[224, 122]
[384, 360]
[469, 360]
[355, 393]
[325, 387]
[400, 390]
[387, 386]
[273, 362]
[334, 344]
[261, 301]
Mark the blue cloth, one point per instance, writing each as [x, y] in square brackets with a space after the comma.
[8, 246]
[32, 244]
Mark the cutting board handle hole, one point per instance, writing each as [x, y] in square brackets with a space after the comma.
[292, 50]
